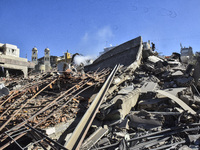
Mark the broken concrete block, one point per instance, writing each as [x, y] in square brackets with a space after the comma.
[154, 59]
[186, 98]
[124, 124]
[103, 142]
[173, 63]
[177, 73]
[149, 87]
[145, 120]
[185, 147]
[184, 81]
[50, 130]
[151, 104]
[126, 90]
[123, 105]
[94, 138]
[174, 91]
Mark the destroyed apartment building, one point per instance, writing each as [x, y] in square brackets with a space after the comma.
[129, 98]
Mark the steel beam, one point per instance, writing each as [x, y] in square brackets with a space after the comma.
[80, 132]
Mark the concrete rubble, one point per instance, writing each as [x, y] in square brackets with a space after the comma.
[147, 101]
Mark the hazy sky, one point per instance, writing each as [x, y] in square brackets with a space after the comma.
[87, 26]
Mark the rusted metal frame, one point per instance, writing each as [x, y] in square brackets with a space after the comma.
[48, 92]
[107, 146]
[97, 70]
[2, 99]
[80, 132]
[146, 143]
[28, 107]
[63, 105]
[46, 107]
[15, 142]
[169, 145]
[40, 133]
[36, 83]
[196, 89]
[17, 93]
[177, 129]
[165, 146]
[4, 146]
[21, 135]
[58, 99]
[20, 131]
[100, 72]
[174, 132]
[169, 132]
[14, 94]
[52, 146]
[51, 114]
[11, 106]
[37, 140]
[103, 72]
[104, 75]
[23, 106]
[11, 96]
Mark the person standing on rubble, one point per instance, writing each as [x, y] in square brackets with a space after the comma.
[153, 46]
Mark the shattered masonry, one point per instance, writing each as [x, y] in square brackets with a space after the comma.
[128, 98]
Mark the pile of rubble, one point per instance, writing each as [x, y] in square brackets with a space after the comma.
[147, 102]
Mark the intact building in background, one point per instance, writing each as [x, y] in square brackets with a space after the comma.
[11, 64]
[46, 63]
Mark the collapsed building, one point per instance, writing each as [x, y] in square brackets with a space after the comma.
[129, 98]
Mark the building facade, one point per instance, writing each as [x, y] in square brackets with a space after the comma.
[11, 63]
[45, 63]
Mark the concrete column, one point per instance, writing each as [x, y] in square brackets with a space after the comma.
[25, 71]
[7, 74]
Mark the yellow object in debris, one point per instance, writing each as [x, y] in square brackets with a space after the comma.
[67, 55]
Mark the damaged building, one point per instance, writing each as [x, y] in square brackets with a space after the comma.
[10, 62]
[129, 98]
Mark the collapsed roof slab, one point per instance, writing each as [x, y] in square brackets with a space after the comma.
[124, 54]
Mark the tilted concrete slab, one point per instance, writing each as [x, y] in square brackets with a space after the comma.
[124, 54]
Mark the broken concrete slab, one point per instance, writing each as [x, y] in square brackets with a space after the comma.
[151, 104]
[177, 100]
[124, 54]
[154, 59]
[184, 81]
[94, 138]
[145, 120]
[149, 87]
[122, 105]
[126, 90]
[177, 73]
[174, 91]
